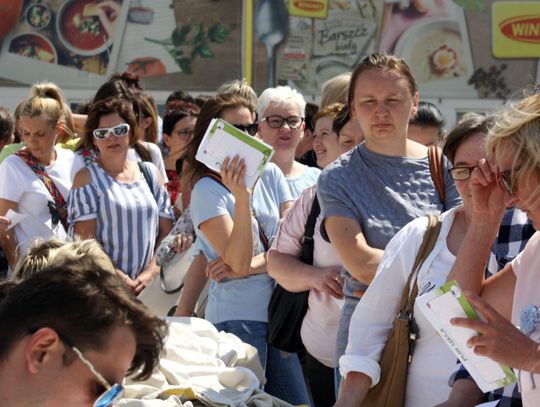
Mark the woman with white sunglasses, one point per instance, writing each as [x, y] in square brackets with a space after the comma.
[120, 203]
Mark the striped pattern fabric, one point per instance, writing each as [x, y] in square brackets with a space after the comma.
[127, 216]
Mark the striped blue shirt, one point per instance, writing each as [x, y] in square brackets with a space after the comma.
[127, 216]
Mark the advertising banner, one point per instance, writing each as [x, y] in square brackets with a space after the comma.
[317, 49]
[516, 29]
[434, 42]
[74, 43]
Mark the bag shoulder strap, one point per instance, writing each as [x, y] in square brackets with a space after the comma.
[408, 296]
[306, 253]
[60, 206]
[146, 174]
[436, 167]
[262, 235]
[312, 219]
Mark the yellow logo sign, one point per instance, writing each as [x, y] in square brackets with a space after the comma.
[516, 29]
[308, 8]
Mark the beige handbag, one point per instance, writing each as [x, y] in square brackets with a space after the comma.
[163, 292]
[397, 353]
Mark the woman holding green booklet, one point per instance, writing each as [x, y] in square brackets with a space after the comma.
[232, 224]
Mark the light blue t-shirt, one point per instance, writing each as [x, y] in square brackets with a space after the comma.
[245, 298]
[297, 185]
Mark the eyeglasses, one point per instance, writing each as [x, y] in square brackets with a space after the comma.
[118, 131]
[461, 173]
[250, 129]
[111, 393]
[505, 179]
[276, 121]
[185, 134]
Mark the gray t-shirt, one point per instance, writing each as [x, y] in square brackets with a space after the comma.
[381, 193]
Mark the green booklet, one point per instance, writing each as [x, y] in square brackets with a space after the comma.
[223, 140]
[446, 302]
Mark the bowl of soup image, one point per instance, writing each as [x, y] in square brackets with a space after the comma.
[35, 46]
[79, 28]
[38, 16]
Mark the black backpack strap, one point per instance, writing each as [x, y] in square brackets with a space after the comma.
[146, 174]
[306, 254]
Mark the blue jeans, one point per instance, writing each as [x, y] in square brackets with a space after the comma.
[283, 371]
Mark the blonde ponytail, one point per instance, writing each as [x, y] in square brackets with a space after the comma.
[48, 100]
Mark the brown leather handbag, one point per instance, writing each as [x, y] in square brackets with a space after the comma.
[436, 167]
[397, 353]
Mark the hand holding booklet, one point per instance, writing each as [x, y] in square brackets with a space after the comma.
[439, 307]
[223, 140]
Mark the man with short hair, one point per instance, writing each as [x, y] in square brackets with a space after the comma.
[69, 334]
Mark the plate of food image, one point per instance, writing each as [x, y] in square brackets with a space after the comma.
[38, 16]
[35, 46]
[80, 29]
[434, 50]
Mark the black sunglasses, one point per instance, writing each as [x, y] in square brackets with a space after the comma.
[506, 179]
[250, 129]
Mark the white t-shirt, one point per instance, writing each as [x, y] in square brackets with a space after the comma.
[527, 295]
[155, 157]
[18, 183]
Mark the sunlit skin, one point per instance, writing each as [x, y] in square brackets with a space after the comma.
[326, 142]
[383, 105]
[467, 155]
[39, 136]
[44, 371]
[350, 135]
[238, 115]
[174, 141]
[426, 135]
[112, 145]
[526, 189]
[284, 139]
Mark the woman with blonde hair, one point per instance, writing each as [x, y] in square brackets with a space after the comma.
[509, 299]
[335, 90]
[66, 130]
[42, 253]
[35, 182]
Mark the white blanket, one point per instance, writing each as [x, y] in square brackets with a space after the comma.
[202, 365]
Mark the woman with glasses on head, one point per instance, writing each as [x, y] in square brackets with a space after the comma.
[36, 180]
[121, 204]
[432, 360]
[233, 225]
[281, 124]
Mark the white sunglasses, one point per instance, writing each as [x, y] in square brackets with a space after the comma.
[118, 131]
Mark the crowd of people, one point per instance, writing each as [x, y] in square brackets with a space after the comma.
[93, 203]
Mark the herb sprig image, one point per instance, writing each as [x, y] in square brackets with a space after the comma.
[192, 40]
